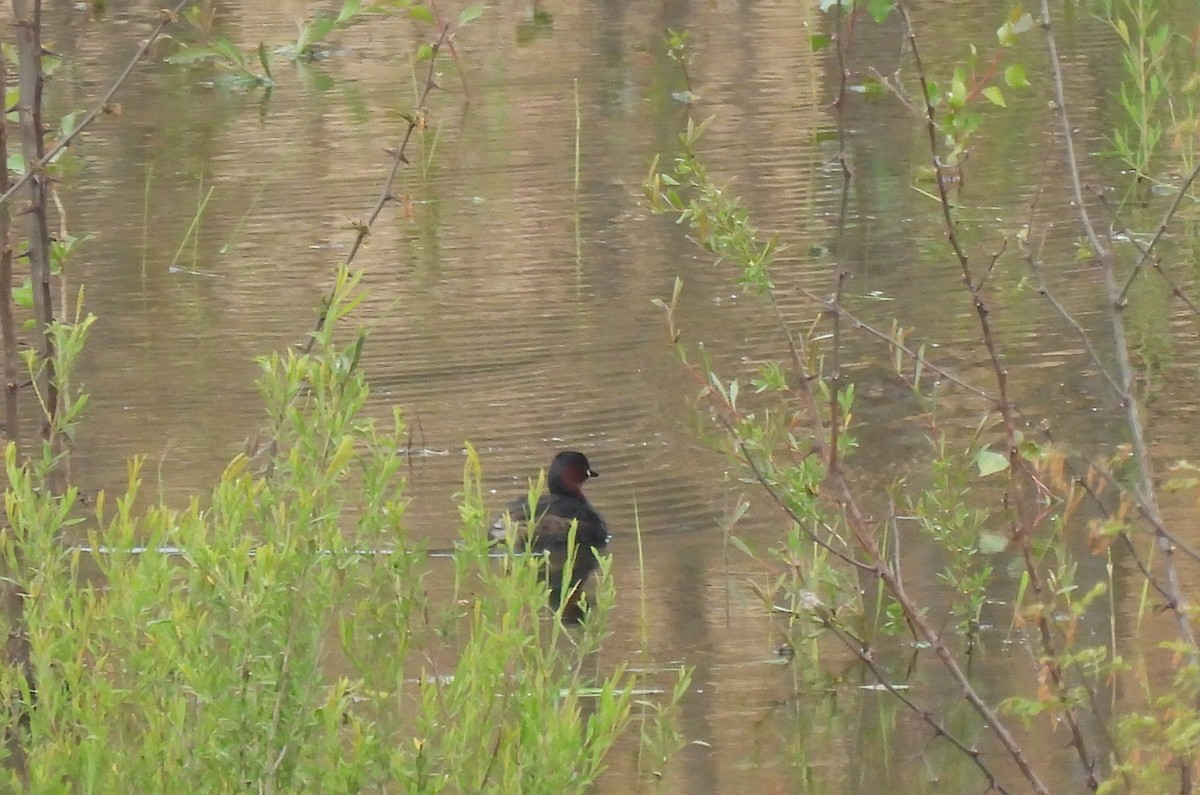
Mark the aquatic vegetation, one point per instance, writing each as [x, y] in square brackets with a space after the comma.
[1000, 501]
[280, 634]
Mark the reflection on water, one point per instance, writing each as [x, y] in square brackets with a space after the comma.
[513, 310]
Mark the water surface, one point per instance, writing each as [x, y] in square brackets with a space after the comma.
[511, 308]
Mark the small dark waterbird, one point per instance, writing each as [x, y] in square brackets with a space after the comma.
[548, 531]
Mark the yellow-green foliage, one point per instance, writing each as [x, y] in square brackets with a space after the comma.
[292, 642]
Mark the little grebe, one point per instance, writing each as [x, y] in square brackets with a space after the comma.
[549, 531]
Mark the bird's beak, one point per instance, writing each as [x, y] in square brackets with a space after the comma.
[593, 473]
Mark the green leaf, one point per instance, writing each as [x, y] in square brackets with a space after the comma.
[50, 64]
[873, 88]
[322, 27]
[1017, 24]
[421, 14]
[1014, 76]
[470, 14]
[189, 55]
[229, 51]
[819, 41]
[1004, 35]
[341, 457]
[350, 9]
[958, 89]
[990, 462]
[424, 53]
[264, 60]
[880, 9]
[23, 295]
[66, 125]
[992, 543]
[995, 96]
[741, 546]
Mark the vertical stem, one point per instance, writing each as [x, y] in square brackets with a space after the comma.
[8, 332]
[31, 81]
[578, 128]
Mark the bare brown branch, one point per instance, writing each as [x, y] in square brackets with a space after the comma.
[415, 122]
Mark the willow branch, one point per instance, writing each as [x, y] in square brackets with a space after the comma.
[1020, 478]
[166, 17]
[30, 84]
[8, 331]
[1148, 249]
[399, 158]
[1144, 489]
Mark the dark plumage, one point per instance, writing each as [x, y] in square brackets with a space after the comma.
[549, 532]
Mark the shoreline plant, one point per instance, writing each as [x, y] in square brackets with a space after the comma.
[1003, 501]
[279, 634]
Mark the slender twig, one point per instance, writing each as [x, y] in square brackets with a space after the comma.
[1031, 252]
[1148, 249]
[31, 82]
[1144, 489]
[8, 333]
[840, 272]
[863, 653]
[781, 501]
[167, 16]
[1021, 480]
[415, 121]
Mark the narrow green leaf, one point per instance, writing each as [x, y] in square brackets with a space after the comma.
[350, 9]
[341, 457]
[741, 546]
[264, 60]
[226, 48]
[322, 27]
[188, 55]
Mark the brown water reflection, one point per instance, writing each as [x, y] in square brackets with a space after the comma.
[513, 312]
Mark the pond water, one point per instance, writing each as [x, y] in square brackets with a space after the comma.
[511, 308]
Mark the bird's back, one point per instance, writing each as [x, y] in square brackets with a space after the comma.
[554, 514]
